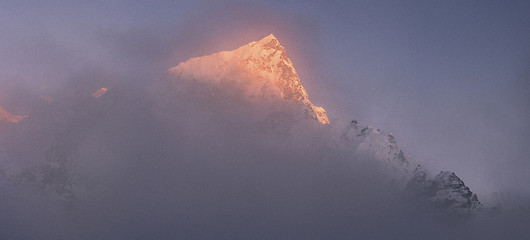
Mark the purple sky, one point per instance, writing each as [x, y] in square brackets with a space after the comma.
[449, 79]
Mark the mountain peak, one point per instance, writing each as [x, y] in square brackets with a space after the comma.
[446, 191]
[267, 39]
[270, 43]
[262, 67]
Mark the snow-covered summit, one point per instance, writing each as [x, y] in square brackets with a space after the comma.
[261, 69]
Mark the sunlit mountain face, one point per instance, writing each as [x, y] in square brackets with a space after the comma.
[262, 69]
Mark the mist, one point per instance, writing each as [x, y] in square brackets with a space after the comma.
[198, 161]
[195, 160]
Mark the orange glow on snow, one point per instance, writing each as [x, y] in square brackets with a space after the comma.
[99, 92]
[265, 63]
[8, 117]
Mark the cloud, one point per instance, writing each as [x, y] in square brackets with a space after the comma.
[196, 160]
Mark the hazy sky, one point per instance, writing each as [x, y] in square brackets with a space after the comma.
[450, 79]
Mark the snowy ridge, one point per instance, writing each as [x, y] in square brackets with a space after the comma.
[369, 143]
[446, 191]
[262, 68]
